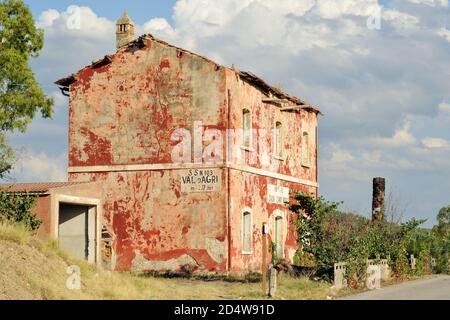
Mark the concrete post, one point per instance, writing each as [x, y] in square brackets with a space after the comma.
[412, 260]
[378, 194]
[272, 282]
[264, 257]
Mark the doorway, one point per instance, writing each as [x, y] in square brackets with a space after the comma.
[76, 230]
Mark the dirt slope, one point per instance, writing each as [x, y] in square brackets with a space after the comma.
[32, 268]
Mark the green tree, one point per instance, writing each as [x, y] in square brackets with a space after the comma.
[310, 223]
[440, 249]
[327, 236]
[21, 96]
[443, 226]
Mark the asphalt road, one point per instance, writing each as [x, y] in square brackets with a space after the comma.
[436, 288]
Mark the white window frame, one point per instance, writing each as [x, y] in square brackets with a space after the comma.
[246, 210]
[278, 154]
[244, 146]
[306, 149]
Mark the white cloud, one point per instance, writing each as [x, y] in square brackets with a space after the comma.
[63, 23]
[444, 33]
[39, 167]
[435, 143]
[159, 26]
[400, 19]
[401, 138]
[331, 9]
[431, 3]
[69, 46]
[47, 18]
[444, 107]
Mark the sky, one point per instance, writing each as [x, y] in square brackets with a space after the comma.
[378, 70]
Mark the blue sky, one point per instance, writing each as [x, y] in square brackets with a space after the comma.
[140, 10]
[385, 91]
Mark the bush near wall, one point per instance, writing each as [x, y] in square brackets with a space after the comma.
[326, 236]
[17, 208]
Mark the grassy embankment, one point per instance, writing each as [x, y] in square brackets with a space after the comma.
[32, 268]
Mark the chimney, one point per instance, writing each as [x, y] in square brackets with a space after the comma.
[379, 185]
[124, 30]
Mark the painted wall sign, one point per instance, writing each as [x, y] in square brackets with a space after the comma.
[200, 180]
[277, 194]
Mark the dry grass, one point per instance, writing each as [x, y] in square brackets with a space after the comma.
[32, 268]
[17, 233]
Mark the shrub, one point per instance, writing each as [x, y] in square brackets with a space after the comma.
[327, 236]
[17, 208]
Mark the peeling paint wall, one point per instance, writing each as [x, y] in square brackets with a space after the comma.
[153, 220]
[249, 190]
[123, 114]
[264, 117]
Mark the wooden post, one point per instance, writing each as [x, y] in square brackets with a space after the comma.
[264, 258]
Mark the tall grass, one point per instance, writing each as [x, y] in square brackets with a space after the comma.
[17, 233]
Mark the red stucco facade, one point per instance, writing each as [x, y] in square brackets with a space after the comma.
[125, 112]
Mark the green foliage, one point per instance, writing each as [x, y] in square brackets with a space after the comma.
[6, 157]
[327, 236]
[312, 233]
[440, 244]
[20, 94]
[442, 229]
[17, 208]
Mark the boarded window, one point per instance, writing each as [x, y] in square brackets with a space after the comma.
[278, 140]
[306, 158]
[246, 232]
[247, 128]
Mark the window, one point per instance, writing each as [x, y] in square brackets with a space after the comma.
[306, 149]
[279, 237]
[247, 128]
[246, 232]
[278, 141]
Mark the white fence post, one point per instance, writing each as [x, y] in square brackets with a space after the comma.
[339, 275]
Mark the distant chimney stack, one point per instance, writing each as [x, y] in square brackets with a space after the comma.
[124, 30]
[379, 186]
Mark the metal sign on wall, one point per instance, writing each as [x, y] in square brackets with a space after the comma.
[200, 180]
[277, 194]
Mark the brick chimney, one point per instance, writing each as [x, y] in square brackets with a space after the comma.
[124, 30]
[379, 185]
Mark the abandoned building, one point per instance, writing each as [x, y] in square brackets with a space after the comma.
[187, 158]
[71, 213]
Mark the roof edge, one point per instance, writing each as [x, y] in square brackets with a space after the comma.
[250, 77]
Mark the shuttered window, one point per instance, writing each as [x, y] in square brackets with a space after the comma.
[247, 128]
[278, 140]
[306, 149]
[246, 232]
